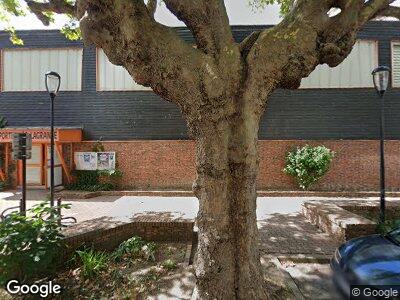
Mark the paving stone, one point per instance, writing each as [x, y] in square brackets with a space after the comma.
[292, 234]
[313, 280]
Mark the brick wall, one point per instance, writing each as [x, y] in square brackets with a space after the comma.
[171, 164]
[354, 167]
[152, 164]
[108, 236]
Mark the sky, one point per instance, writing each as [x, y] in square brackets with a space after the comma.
[239, 12]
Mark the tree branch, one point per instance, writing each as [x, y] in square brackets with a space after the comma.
[154, 54]
[308, 36]
[56, 6]
[391, 11]
[151, 7]
[248, 43]
[208, 21]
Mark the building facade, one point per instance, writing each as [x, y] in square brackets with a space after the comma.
[99, 101]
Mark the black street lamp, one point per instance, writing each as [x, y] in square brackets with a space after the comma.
[53, 80]
[380, 77]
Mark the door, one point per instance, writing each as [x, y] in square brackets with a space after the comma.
[34, 166]
[57, 168]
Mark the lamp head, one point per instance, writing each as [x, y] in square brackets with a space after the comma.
[53, 81]
[380, 77]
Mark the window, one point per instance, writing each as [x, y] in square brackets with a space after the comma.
[114, 78]
[396, 64]
[353, 72]
[24, 70]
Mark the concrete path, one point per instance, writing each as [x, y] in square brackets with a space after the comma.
[283, 230]
[121, 209]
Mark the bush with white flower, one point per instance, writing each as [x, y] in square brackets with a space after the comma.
[308, 164]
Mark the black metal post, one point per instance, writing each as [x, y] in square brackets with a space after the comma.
[52, 96]
[23, 199]
[59, 211]
[382, 155]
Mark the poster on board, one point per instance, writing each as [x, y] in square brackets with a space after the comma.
[86, 161]
[91, 161]
[105, 160]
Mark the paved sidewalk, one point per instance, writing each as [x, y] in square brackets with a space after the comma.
[292, 234]
[283, 230]
[120, 209]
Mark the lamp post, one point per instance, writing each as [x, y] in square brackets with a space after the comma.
[53, 80]
[380, 78]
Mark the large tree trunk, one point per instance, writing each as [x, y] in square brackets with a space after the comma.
[228, 263]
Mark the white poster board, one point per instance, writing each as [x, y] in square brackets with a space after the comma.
[91, 161]
[105, 160]
[85, 161]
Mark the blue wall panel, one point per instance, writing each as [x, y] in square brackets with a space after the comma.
[297, 114]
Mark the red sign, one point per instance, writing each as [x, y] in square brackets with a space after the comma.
[43, 135]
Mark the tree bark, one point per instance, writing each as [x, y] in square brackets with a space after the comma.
[228, 262]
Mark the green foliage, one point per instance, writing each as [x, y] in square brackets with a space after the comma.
[30, 246]
[93, 262]
[135, 247]
[9, 8]
[91, 180]
[98, 146]
[388, 226]
[72, 31]
[132, 246]
[308, 164]
[285, 5]
[87, 177]
[169, 264]
[13, 8]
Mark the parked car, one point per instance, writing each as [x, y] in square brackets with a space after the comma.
[372, 260]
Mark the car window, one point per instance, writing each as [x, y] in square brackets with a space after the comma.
[395, 235]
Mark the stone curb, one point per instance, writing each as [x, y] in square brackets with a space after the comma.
[338, 222]
[66, 194]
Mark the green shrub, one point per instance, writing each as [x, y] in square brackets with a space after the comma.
[93, 262]
[30, 246]
[169, 264]
[90, 181]
[137, 248]
[98, 146]
[132, 246]
[388, 226]
[308, 164]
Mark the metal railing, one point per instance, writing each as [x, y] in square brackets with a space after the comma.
[60, 217]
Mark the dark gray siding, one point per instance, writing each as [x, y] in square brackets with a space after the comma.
[299, 114]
